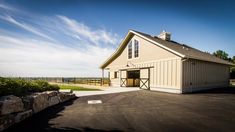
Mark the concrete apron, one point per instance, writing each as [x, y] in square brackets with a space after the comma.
[106, 91]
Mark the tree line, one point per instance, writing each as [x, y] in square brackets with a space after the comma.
[225, 56]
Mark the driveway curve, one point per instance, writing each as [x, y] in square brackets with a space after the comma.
[138, 111]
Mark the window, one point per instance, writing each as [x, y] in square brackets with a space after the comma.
[133, 74]
[115, 74]
[130, 50]
[136, 48]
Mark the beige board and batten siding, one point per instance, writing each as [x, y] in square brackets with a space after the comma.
[147, 52]
[114, 81]
[166, 75]
[174, 67]
[165, 71]
[200, 75]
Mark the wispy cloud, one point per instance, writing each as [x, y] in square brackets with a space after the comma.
[95, 36]
[25, 26]
[56, 46]
[6, 7]
[30, 57]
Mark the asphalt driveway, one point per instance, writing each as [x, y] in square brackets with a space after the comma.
[139, 111]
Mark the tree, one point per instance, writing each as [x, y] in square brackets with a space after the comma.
[232, 60]
[221, 54]
[232, 69]
[232, 73]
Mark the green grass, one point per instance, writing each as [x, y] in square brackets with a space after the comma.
[77, 88]
[21, 87]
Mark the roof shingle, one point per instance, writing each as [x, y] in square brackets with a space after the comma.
[186, 50]
[181, 50]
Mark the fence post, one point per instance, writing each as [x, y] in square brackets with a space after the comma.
[102, 80]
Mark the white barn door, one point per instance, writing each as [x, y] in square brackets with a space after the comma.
[123, 79]
[145, 78]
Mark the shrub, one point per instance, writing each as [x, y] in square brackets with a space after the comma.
[53, 87]
[232, 73]
[45, 86]
[20, 87]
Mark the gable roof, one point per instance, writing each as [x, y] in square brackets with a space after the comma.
[181, 50]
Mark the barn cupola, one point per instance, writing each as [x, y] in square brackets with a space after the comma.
[165, 35]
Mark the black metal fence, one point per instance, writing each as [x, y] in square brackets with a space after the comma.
[73, 80]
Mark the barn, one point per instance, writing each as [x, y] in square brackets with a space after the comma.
[158, 63]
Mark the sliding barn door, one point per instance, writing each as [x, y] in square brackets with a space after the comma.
[123, 79]
[145, 78]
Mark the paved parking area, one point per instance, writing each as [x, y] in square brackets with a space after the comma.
[106, 91]
[140, 111]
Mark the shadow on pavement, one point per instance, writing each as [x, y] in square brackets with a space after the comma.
[40, 121]
[85, 129]
[227, 90]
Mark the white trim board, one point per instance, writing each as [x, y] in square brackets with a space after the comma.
[160, 45]
[168, 90]
[148, 62]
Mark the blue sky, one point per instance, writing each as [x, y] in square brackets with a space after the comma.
[72, 38]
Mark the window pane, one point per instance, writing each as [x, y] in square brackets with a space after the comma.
[133, 74]
[115, 75]
[130, 50]
[136, 49]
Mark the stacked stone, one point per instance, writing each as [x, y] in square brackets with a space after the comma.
[15, 109]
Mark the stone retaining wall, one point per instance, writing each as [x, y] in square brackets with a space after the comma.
[14, 109]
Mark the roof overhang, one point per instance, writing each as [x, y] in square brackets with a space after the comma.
[131, 33]
[124, 42]
[158, 44]
[120, 48]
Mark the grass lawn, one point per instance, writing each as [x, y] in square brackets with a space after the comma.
[77, 88]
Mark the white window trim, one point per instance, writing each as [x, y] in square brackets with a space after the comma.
[128, 50]
[138, 49]
[133, 49]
